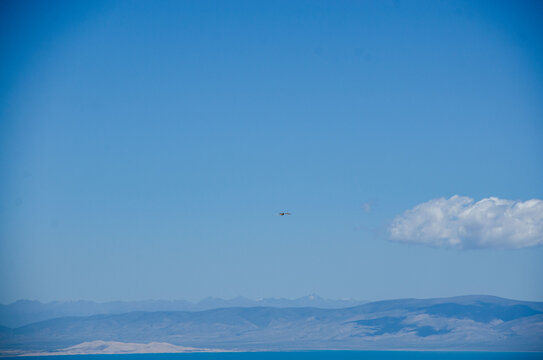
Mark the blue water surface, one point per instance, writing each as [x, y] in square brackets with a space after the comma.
[307, 355]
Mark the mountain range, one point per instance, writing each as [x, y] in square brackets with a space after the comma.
[459, 323]
[24, 312]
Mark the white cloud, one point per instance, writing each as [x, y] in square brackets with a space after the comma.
[461, 223]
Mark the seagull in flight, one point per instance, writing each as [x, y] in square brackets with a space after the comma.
[284, 213]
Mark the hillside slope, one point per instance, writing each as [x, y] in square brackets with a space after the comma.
[462, 323]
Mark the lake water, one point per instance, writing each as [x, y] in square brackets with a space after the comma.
[309, 355]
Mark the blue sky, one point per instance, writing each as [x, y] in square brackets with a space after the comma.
[146, 147]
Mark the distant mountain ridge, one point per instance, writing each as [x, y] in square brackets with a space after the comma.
[24, 312]
[459, 323]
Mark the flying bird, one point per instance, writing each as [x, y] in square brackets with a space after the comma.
[284, 213]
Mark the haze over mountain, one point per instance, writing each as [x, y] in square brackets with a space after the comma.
[460, 323]
[24, 312]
